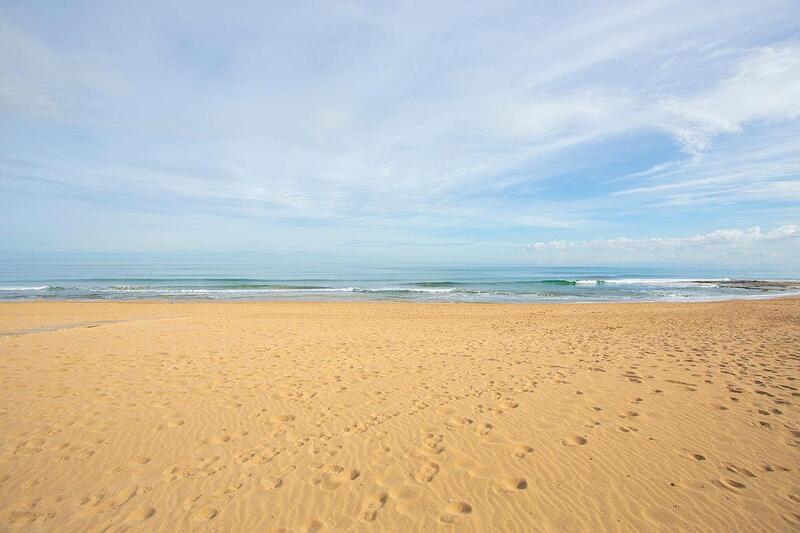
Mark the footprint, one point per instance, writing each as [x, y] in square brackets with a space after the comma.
[140, 515]
[738, 470]
[730, 484]
[206, 513]
[458, 422]
[522, 450]
[259, 454]
[281, 419]
[485, 428]
[206, 466]
[331, 477]
[275, 481]
[426, 472]
[217, 439]
[509, 404]
[511, 485]
[105, 502]
[454, 510]
[431, 443]
[373, 505]
[171, 423]
[576, 440]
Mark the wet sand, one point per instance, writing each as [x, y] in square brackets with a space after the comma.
[155, 416]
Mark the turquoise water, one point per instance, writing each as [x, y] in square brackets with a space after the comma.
[200, 278]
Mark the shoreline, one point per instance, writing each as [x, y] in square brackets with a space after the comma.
[343, 300]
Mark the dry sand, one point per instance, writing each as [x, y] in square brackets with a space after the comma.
[365, 416]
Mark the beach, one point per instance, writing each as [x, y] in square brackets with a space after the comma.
[375, 416]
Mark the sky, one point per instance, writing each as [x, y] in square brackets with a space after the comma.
[404, 132]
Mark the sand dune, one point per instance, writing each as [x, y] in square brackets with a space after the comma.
[376, 417]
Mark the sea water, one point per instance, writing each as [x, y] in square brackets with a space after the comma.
[231, 278]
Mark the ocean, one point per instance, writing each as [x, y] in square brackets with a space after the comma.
[225, 279]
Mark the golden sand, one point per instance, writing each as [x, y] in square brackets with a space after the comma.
[375, 417]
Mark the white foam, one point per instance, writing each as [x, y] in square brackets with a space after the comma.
[649, 281]
[175, 290]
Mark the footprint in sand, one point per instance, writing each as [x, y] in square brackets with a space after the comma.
[281, 419]
[431, 443]
[729, 484]
[332, 476]
[576, 440]
[259, 455]
[774, 468]
[730, 467]
[205, 514]
[275, 481]
[224, 438]
[139, 516]
[171, 423]
[513, 484]
[457, 422]
[426, 472]
[204, 466]
[373, 505]
[509, 404]
[454, 511]
[103, 502]
[522, 450]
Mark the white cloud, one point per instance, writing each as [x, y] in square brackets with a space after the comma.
[765, 86]
[782, 241]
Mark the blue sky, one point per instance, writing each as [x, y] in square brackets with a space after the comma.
[464, 132]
